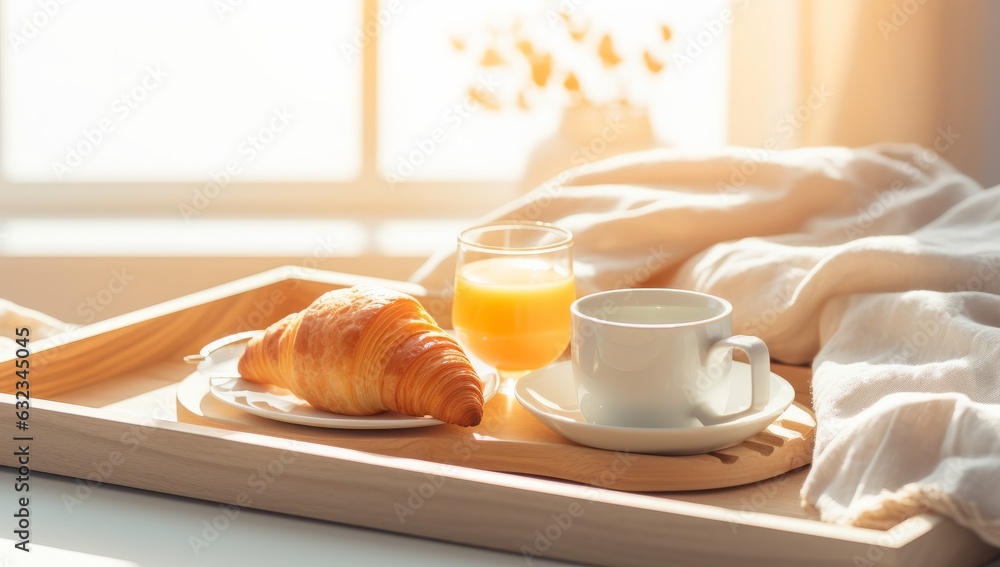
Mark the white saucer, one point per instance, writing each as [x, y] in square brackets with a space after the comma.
[219, 363]
[550, 395]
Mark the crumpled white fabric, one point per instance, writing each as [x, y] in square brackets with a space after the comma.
[880, 266]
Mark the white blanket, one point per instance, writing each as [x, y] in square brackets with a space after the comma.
[880, 266]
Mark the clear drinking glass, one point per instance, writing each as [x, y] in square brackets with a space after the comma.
[513, 290]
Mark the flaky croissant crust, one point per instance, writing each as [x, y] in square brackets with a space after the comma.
[365, 350]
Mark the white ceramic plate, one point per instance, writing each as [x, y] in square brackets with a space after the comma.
[225, 384]
[550, 395]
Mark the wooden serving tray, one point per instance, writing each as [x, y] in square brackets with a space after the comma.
[110, 389]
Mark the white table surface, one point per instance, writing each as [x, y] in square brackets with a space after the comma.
[121, 527]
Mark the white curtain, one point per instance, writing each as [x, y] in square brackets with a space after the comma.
[858, 72]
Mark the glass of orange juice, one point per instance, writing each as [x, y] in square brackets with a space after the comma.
[513, 290]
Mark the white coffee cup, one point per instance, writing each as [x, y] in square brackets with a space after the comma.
[656, 358]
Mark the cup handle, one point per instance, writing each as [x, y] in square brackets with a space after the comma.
[760, 376]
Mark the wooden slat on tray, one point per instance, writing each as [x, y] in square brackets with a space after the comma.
[512, 440]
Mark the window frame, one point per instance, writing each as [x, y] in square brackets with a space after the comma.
[367, 196]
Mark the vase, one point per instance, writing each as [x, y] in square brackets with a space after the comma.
[588, 133]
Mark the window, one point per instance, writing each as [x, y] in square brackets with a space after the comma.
[417, 94]
[316, 108]
[169, 91]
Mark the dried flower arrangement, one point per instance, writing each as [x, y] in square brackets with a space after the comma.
[534, 70]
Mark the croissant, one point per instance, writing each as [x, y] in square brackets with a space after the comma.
[365, 350]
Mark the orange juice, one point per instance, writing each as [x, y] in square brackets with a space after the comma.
[513, 313]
